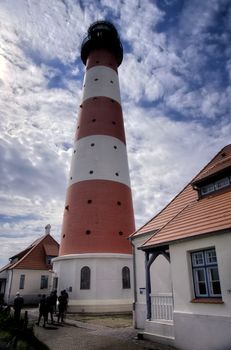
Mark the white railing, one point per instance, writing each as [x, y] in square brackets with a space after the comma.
[162, 306]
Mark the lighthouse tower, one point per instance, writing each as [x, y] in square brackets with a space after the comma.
[95, 262]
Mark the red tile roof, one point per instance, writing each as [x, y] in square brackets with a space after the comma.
[186, 216]
[34, 256]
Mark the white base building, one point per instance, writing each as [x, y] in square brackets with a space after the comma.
[90, 278]
[185, 298]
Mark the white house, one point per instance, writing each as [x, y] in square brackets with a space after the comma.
[30, 271]
[183, 264]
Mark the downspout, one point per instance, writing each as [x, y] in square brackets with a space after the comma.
[134, 284]
[10, 287]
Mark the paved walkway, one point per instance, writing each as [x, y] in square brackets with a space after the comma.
[76, 335]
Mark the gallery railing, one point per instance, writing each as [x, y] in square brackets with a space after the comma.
[162, 306]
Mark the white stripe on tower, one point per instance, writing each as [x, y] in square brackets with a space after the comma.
[98, 214]
[101, 81]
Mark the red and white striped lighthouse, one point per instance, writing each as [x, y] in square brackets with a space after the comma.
[98, 215]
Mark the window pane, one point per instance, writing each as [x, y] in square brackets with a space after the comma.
[214, 281]
[200, 282]
[126, 277]
[207, 189]
[222, 183]
[44, 282]
[198, 258]
[210, 256]
[85, 277]
[22, 282]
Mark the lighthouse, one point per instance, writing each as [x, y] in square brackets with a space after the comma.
[95, 261]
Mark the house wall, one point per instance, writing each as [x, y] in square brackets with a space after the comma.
[160, 279]
[200, 325]
[106, 293]
[31, 291]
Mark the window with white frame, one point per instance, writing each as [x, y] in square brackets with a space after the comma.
[205, 274]
[85, 278]
[44, 282]
[22, 282]
[126, 278]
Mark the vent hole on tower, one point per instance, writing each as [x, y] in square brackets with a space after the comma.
[114, 123]
[117, 174]
[64, 236]
[89, 201]
[94, 98]
[112, 101]
[93, 120]
[92, 144]
[96, 79]
[121, 233]
[88, 232]
[71, 178]
[81, 106]
[67, 207]
[74, 150]
[111, 81]
[91, 172]
[78, 127]
[118, 203]
[115, 147]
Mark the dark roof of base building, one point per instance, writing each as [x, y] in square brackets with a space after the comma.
[191, 214]
[34, 256]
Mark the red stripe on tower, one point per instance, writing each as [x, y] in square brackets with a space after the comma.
[98, 214]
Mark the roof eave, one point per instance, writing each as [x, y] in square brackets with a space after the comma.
[179, 240]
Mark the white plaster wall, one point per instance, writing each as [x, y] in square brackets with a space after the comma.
[182, 274]
[201, 326]
[106, 281]
[32, 283]
[161, 280]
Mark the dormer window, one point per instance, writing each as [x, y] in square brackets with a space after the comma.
[215, 185]
[48, 259]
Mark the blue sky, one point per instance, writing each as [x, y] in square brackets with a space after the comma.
[175, 88]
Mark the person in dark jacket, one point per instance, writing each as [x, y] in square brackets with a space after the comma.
[62, 305]
[18, 304]
[43, 310]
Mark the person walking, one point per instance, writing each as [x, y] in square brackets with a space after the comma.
[61, 306]
[43, 310]
[18, 304]
[50, 307]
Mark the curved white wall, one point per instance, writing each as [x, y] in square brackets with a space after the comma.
[106, 293]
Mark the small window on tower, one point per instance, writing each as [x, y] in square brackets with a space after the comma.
[126, 278]
[85, 278]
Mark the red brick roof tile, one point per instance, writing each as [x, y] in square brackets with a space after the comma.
[35, 254]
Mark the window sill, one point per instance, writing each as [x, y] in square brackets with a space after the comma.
[207, 301]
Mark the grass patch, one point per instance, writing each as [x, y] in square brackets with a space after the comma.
[17, 335]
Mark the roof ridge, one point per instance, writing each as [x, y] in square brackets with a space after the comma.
[207, 165]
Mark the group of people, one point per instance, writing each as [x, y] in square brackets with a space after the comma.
[47, 306]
